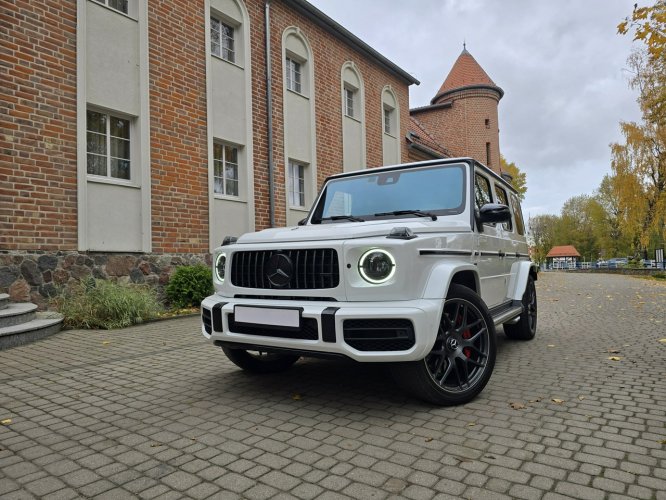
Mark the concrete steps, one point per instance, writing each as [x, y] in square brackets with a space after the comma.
[20, 323]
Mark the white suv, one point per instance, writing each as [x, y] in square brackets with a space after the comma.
[413, 264]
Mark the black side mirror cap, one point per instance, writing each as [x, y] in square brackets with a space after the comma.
[492, 213]
[229, 240]
[302, 222]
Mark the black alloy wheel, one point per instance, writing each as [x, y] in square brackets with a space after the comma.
[525, 328]
[463, 356]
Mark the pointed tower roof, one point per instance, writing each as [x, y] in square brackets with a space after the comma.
[466, 73]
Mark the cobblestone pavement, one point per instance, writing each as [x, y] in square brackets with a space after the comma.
[156, 412]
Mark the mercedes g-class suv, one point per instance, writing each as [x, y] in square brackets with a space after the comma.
[413, 265]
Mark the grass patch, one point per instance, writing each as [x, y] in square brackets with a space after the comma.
[104, 304]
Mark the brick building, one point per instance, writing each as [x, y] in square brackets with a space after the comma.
[136, 135]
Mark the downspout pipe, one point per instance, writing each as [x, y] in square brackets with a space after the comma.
[269, 112]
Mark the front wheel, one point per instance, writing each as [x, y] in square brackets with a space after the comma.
[260, 362]
[525, 328]
[462, 359]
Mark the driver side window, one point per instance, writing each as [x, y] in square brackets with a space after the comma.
[482, 192]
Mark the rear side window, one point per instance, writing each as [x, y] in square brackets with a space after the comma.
[504, 200]
[518, 214]
[482, 192]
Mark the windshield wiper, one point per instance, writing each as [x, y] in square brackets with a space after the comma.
[409, 212]
[344, 217]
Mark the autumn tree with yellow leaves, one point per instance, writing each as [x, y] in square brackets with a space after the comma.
[639, 164]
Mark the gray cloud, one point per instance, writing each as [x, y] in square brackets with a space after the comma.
[561, 65]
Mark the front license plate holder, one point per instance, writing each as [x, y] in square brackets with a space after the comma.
[288, 318]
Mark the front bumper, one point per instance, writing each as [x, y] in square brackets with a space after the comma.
[335, 328]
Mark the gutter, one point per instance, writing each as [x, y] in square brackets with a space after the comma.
[269, 112]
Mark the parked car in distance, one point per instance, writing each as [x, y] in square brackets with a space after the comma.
[618, 262]
[412, 265]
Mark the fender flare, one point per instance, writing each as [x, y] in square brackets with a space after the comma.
[441, 274]
[520, 271]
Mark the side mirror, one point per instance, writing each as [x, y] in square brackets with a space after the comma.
[494, 213]
[302, 222]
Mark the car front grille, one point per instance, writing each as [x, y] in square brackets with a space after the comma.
[206, 319]
[311, 269]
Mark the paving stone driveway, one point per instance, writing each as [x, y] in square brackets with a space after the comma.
[156, 412]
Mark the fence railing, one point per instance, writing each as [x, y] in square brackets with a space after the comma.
[566, 266]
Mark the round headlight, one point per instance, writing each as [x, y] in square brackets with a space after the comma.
[376, 266]
[220, 266]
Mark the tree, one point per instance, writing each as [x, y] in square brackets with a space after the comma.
[649, 24]
[639, 164]
[542, 229]
[607, 216]
[518, 178]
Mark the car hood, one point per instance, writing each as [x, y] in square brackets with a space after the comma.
[347, 230]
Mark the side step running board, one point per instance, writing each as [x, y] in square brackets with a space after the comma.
[508, 315]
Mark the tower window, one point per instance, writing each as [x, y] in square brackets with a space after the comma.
[487, 123]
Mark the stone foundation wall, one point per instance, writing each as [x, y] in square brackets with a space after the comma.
[37, 276]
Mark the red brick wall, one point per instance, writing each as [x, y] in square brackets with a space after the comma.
[38, 125]
[178, 141]
[461, 128]
[329, 56]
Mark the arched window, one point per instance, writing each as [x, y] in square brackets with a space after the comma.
[300, 159]
[390, 126]
[353, 117]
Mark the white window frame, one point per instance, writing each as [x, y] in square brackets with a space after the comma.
[350, 101]
[224, 162]
[297, 176]
[107, 156]
[294, 75]
[226, 45]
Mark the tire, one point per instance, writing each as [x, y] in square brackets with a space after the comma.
[525, 329]
[463, 357]
[260, 362]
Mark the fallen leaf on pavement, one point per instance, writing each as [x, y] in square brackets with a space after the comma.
[296, 397]
[517, 406]
[106, 342]
[471, 424]
[614, 358]
[535, 400]
[550, 345]
[557, 401]
[580, 398]
[6, 421]
[427, 440]
[613, 351]
[663, 341]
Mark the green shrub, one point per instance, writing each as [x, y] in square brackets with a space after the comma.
[189, 285]
[104, 304]
[660, 276]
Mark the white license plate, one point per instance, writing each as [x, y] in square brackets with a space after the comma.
[268, 316]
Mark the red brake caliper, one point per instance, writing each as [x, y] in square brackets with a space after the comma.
[467, 334]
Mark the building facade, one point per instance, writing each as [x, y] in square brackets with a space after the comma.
[136, 134]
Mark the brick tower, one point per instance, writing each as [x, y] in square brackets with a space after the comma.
[463, 114]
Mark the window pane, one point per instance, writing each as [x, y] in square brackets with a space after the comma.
[120, 5]
[232, 188]
[231, 154]
[120, 127]
[96, 165]
[387, 120]
[120, 148]
[215, 36]
[120, 169]
[227, 42]
[231, 171]
[217, 151]
[482, 191]
[219, 185]
[96, 122]
[96, 143]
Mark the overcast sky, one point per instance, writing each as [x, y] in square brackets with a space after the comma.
[560, 63]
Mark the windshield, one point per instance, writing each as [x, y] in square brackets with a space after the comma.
[436, 190]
